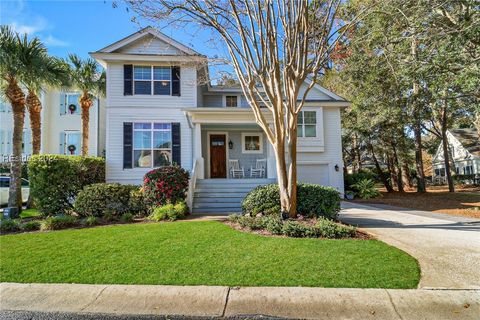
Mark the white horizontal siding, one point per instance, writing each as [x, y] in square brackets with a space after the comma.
[313, 94]
[150, 45]
[332, 154]
[115, 97]
[114, 155]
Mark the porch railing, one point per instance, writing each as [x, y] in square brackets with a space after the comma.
[195, 174]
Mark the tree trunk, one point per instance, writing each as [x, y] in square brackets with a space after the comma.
[406, 175]
[380, 172]
[85, 103]
[35, 108]
[417, 128]
[396, 163]
[16, 98]
[292, 170]
[446, 153]
[282, 177]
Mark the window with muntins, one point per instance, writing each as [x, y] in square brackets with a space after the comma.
[70, 104]
[152, 79]
[152, 144]
[307, 124]
[231, 101]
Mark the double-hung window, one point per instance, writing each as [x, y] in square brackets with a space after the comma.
[307, 124]
[162, 80]
[70, 104]
[142, 77]
[152, 144]
[72, 145]
[231, 101]
[150, 79]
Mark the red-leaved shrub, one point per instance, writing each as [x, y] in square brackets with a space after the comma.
[165, 185]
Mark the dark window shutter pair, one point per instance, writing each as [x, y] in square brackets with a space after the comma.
[128, 144]
[127, 79]
[175, 81]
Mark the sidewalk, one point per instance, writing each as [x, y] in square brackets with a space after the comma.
[215, 302]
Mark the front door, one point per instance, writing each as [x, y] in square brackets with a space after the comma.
[218, 156]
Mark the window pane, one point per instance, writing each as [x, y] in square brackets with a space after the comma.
[142, 73]
[72, 143]
[143, 87]
[161, 87]
[310, 131]
[162, 139]
[162, 158]
[310, 117]
[162, 73]
[142, 125]
[142, 158]
[142, 139]
[252, 143]
[231, 101]
[162, 126]
[300, 131]
[300, 118]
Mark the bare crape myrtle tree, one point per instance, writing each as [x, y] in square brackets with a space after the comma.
[276, 48]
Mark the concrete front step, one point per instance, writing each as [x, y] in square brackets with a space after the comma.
[234, 181]
[197, 205]
[217, 200]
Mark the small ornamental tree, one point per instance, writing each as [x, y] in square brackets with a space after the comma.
[165, 185]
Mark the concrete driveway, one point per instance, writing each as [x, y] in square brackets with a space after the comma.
[447, 247]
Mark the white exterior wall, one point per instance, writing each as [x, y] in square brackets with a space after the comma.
[138, 108]
[332, 149]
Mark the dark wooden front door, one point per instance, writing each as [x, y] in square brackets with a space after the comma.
[218, 156]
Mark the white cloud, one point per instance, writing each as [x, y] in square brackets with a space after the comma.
[37, 25]
[54, 42]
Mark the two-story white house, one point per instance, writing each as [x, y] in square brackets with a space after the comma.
[159, 111]
[60, 123]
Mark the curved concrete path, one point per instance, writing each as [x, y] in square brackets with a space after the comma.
[446, 246]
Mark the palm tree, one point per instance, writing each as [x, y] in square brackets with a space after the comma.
[86, 77]
[42, 71]
[13, 50]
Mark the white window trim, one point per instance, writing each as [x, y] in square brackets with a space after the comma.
[224, 100]
[317, 127]
[66, 133]
[152, 81]
[152, 149]
[65, 102]
[254, 134]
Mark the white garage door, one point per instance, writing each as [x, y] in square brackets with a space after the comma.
[313, 173]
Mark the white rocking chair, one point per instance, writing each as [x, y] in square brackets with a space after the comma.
[235, 170]
[259, 170]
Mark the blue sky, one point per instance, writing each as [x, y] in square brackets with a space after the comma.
[89, 25]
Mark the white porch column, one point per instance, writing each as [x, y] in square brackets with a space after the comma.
[197, 150]
[271, 164]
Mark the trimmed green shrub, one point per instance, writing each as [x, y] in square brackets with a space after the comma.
[136, 202]
[30, 226]
[169, 212]
[126, 217]
[295, 229]
[55, 180]
[99, 198]
[9, 225]
[165, 185]
[330, 229]
[273, 224]
[312, 201]
[90, 221]
[252, 223]
[352, 178]
[58, 222]
[366, 189]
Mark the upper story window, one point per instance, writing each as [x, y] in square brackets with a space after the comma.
[231, 101]
[307, 124]
[152, 144]
[69, 103]
[148, 79]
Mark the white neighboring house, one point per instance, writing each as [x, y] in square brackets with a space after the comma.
[61, 126]
[159, 112]
[464, 145]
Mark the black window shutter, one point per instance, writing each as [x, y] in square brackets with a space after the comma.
[175, 81]
[127, 79]
[176, 144]
[127, 145]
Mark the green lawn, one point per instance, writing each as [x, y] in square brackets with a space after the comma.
[29, 213]
[200, 253]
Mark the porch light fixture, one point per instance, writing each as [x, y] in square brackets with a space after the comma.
[337, 167]
[230, 144]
